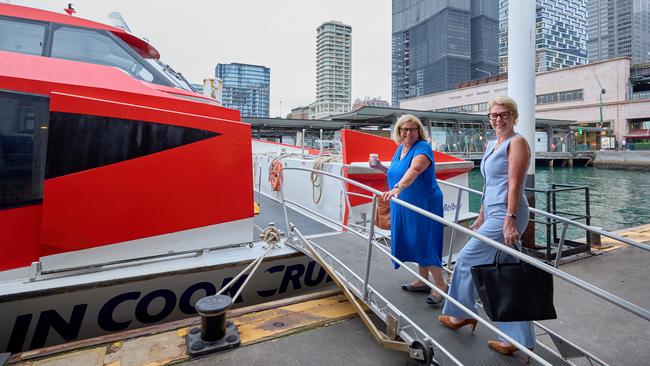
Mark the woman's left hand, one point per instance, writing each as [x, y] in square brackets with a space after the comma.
[510, 233]
[392, 193]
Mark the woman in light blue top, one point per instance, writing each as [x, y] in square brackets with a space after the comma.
[503, 217]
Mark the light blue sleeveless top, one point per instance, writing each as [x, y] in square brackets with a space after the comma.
[494, 168]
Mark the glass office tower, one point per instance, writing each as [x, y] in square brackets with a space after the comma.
[619, 28]
[438, 44]
[560, 34]
[246, 88]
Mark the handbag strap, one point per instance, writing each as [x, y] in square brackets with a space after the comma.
[517, 246]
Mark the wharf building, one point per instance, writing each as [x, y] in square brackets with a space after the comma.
[600, 97]
[246, 88]
[560, 34]
[438, 44]
[333, 70]
[301, 112]
[619, 28]
[369, 102]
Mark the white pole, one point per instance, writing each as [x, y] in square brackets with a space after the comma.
[521, 71]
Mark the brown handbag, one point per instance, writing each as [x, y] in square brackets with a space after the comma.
[382, 214]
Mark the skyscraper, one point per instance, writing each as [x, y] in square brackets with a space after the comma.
[619, 28]
[560, 34]
[438, 44]
[333, 70]
[246, 88]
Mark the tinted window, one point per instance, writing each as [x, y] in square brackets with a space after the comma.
[96, 47]
[16, 36]
[81, 142]
[23, 136]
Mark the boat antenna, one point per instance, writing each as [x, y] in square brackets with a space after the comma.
[70, 10]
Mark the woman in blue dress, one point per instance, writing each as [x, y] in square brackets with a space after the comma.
[503, 217]
[412, 176]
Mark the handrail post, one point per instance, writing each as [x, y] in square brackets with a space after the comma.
[284, 204]
[560, 246]
[371, 235]
[453, 230]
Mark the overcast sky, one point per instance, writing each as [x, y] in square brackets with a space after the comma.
[194, 35]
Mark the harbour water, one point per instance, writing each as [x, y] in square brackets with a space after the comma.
[618, 198]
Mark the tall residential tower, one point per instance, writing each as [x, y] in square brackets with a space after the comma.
[333, 70]
[619, 28]
[246, 88]
[560, 34]
[437, 44]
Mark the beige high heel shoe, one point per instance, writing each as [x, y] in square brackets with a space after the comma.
[446, 321]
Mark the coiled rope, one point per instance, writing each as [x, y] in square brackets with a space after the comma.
[317, 178]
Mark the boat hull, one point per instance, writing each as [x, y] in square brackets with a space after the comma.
[50, 316]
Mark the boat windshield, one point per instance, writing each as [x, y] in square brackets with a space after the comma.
[172, 75]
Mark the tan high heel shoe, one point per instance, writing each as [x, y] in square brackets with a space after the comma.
[506, 350]
[446, 321]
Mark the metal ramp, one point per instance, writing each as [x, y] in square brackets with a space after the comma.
[346, 253]
[364, 267]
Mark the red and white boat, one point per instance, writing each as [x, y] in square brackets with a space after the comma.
[125, 196]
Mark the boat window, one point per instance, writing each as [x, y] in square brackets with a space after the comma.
[87, 45]
[23, 37]
[23, 136]
[80, 142]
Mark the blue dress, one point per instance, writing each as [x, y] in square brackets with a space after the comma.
[414, 237]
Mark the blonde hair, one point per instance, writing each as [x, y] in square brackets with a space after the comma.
[422, 135]
[508, 103]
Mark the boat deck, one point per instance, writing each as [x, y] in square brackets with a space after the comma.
[271, 211]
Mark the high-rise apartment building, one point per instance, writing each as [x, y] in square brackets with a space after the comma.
[246, 88]
[333, 70]
[618, 28]
[560, 34]
[438, 44]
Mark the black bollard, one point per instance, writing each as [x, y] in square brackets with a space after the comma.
[212, 310]
[216, 334]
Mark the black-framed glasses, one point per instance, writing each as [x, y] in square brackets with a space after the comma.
[407, 129]
[503, 115]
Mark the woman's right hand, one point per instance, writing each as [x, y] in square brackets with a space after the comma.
[477, 223]
[375, 164]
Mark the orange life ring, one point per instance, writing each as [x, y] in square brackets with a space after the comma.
[275, 174]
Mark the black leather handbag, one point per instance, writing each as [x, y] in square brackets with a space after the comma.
[515, 291]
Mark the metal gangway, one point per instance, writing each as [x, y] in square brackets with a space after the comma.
[361, 264]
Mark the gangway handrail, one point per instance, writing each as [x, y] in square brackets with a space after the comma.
[417, 275]
[605, 295]
[580, 225]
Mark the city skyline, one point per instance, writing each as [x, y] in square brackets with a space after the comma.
[277, 35]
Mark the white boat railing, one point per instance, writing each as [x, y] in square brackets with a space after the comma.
[366, 289]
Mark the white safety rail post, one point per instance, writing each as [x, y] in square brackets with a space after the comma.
[521, 84]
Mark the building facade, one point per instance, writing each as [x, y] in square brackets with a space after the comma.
[619, 28]
[246, 88]
[333, 70]
[438, 44]
[560, 34]
[369, 102]
[301, 112]
[566, 94]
